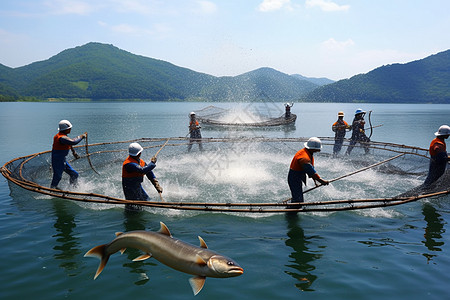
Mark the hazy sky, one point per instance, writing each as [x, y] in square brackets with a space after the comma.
[315, 38]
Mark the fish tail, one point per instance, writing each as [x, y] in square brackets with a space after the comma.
[100, 253]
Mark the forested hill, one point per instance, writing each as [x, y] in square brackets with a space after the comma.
[101, 71]
[104, 72]
[422, 81]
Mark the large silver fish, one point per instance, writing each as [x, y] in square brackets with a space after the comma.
[184, 257]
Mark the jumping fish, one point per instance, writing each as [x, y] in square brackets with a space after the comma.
[181, 256]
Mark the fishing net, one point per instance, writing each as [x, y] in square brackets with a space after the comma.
[250, 116]
[238, 175]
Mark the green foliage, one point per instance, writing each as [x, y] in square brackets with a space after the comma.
[422, 81]
[98, 71]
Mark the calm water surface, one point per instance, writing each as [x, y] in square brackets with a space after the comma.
[400, 252]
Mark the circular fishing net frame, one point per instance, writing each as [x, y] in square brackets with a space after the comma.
[100, 166]
[243, 117]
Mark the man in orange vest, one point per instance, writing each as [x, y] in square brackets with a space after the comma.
[194, 131]
[60, 149]
[301, 165]
[339, 128]
[438, 155]
[133, 171]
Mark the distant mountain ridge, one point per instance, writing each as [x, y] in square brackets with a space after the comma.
[421, 81]
[100, 71]
[318, 81]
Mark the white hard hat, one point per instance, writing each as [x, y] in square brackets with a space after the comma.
[359, 111]
[64, 125]
[192, 113]
[313, 143]
[134, 149]
[443, 130]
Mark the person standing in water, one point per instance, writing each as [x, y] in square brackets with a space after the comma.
[60, 149]
[133, 171]
[302, 164]
[438, 155]
[339, 128]
[194, 132]
[358, 134]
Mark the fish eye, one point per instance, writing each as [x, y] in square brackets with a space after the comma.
[230, 263]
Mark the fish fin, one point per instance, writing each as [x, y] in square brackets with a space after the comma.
[202, 243]
[122, 250]
[200, 260]
[118, 233]
[99, 252]
[164, 230]
[143, 257]
[197, 283]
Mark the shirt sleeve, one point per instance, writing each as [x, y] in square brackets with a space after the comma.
[309, 169]
[68, 141]
[134, 167]
[150, 175]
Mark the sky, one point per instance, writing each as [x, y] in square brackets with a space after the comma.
[336, 39]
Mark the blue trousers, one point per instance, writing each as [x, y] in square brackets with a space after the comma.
[59, 165]
[436, 169]
[295, 182]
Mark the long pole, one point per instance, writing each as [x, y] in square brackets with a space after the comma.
[161, 147]
[357, 171]
[88, 157]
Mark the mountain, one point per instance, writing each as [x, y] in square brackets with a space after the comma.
[317, 81]
[101, 71]
[422, 81]
[264, 84]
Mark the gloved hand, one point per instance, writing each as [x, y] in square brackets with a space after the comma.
[75, 155]
[153, 160]
[155, 183]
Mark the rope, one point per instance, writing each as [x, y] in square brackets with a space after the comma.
[161, 148]
[89, 157]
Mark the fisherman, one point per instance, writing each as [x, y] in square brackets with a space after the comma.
[194, 131]
[60, 149]
[439, 156]
[339, 128]
[133, 171]
[358, 134]
[301, 165]
[287, 107]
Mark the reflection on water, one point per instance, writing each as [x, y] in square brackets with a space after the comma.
[301, 265]
[67, 246]
[135, 220]
[433, 230]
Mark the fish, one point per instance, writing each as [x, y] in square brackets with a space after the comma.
[198, 261]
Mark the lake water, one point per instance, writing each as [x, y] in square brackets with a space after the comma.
[387, 253]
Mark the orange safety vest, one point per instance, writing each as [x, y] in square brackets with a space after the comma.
[301, 158]
[437, 146]
[57, 145]
[337, 123]
[196, 123]
[126, 174]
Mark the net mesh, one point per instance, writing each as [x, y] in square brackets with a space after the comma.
[251, 116]
[238, 175]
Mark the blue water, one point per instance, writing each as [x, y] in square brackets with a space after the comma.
[390, 253]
